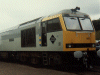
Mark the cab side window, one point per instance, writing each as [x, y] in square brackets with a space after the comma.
[53, 25]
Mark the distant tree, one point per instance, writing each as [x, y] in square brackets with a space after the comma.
[96, 24]
[98, 35]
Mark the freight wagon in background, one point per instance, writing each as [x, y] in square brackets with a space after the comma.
[67, 37]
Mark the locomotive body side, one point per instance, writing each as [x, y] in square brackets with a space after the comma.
[56, 39]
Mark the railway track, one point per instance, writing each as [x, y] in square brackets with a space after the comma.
[62, 70]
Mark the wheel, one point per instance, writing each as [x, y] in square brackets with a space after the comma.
[23, 59]
[34, 60]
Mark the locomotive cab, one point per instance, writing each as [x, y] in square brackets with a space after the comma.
[73, 34]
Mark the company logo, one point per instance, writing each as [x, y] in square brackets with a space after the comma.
[52, 39]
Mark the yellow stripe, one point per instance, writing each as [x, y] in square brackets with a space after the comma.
[40, 37]
[39, 42]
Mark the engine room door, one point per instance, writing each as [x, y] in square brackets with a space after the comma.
[44, 34]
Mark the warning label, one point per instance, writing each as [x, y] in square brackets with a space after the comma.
[52, 39]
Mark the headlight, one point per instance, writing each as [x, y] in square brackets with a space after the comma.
[69, 46]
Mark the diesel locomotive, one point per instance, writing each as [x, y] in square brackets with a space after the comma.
[67, 36]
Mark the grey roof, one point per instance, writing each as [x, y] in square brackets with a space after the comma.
[67, 11]
[31, 21]
[28, 22]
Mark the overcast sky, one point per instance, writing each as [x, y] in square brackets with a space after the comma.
[15, 12]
